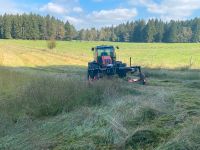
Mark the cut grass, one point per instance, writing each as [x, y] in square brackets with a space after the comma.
[115, 116]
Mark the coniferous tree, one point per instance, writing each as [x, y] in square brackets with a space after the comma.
[42, 24]
[6, 27]
[81, 35]
[138, 35]
[70, 31]
[35, 27]
[1, 27]
[196, 31]
[60, 31]
[172, 32]
[102, 35]
[149, 31]
[113, 37]
[50, 27]
[159, 26]
[16, 27]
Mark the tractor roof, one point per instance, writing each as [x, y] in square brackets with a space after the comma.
[104, 46]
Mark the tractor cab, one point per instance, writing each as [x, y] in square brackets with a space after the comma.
[104, 55]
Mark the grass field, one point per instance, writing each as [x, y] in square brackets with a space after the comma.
[46, 102]
[35, 53]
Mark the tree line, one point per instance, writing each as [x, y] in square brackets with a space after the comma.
[32, 26]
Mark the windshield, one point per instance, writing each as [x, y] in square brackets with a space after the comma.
[105, 52]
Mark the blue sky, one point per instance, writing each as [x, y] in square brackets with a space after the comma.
[98, 13]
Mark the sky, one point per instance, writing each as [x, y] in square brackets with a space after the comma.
[101, 13]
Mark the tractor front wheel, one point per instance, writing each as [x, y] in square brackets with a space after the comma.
[92, 76]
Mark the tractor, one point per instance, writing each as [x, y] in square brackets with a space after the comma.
[105, 64]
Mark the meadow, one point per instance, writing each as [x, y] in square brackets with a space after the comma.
[47, 103]
[17, 53]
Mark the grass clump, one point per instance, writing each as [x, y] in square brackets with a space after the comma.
[142, 139]
[48, 96]
[147, 114]
[51, 43]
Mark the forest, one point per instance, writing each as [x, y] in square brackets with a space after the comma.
[36, 27]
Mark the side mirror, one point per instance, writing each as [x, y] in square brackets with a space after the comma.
[92, 49]
[117, 47]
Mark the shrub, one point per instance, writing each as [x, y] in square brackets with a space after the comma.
[51, 43]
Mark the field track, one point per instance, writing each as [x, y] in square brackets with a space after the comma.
[14, 55]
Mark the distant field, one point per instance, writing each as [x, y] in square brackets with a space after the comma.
[46, 102]
[35, 53]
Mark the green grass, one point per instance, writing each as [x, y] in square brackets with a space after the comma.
[36, 53]
[46, 102]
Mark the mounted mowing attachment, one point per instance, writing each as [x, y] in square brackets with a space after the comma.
[105, 64]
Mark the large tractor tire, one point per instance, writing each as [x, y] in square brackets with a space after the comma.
[93, 71]
[121, 72]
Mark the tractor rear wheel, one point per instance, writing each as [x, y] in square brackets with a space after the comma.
[93, 71]
[121, 72]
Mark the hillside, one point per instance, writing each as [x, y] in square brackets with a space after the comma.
[46, 102]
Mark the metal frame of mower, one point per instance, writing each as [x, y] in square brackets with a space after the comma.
[97, 70]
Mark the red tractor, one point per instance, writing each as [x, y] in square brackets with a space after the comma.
[105, 64]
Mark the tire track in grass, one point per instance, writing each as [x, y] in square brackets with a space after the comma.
[60, 59]
[10, 58]
[27, 57]
[78, 59]
[43, 58]
[34, 58]
[46, 59]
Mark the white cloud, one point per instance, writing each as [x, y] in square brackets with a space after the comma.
[110, 17]
[171, 9]
[66, 10]
[118, 14]
[73, 20]
[53, 8]
[77, 9]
